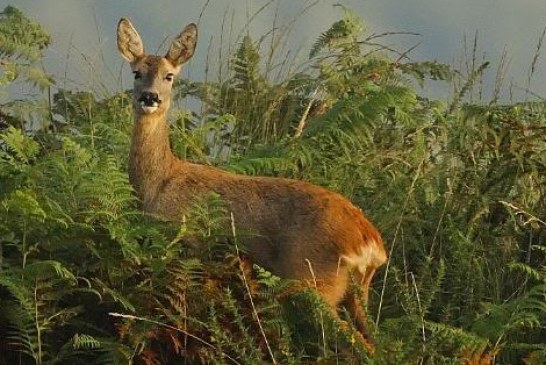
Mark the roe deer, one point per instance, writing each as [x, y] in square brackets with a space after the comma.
[300, 231]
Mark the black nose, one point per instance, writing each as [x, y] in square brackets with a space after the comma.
[149, 98]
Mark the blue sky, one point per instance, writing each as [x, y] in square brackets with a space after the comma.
[85, 51]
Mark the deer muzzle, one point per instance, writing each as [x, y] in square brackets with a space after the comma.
[149, 102]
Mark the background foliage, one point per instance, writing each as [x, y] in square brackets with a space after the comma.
[456, 188]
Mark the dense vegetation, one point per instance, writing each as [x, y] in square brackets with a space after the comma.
[456, 188]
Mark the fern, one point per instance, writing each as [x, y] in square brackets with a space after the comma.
[208, 216]
[471, 80]
[21, 149]
[245, 65]
[22, 39]
[21, 333]
[23, 204]
[432, 70]
[527, 311]
[343, 32]
[32, 314]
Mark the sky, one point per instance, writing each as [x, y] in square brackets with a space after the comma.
[84, 54]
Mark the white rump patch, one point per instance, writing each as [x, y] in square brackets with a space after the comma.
[367, 255]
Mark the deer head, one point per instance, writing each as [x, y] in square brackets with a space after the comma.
[154, 75]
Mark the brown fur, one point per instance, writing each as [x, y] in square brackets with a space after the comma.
[293, 228]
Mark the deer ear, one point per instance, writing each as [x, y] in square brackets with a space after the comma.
[183, 46]
[129, 42]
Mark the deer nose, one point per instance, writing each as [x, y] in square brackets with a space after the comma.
[149, 99]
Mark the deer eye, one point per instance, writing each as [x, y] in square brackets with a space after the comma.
[169, 77]
[137, 74]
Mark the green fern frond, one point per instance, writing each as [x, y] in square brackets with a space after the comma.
[45, 269]
[17, 289]
[85, 342]
[115, 295]
[529, 271]
[456, 335]
[344, 31]
[23, 204]
[432, 70]
[245, 65]
[21, 332]
[21, 37]
[77, 348]
[526, 311]
[20, 147]
[467, 86]
[114, 352]
[243, 341]
[207, 216]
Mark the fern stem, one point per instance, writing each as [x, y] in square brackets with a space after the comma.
[37, 324]
[414, 283]
[320, 312]
[303, 120]
[24, 243]
[438, 226]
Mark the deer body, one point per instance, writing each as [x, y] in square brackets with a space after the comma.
[295, 229]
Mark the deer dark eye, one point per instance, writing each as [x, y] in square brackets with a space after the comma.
[169, 77]
[137, 74]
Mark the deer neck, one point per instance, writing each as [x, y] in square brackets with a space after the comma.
[151, 159]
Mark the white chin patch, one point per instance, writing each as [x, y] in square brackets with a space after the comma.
[148, 109]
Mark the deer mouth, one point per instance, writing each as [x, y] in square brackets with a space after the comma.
[149, 103]
[148, 109]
